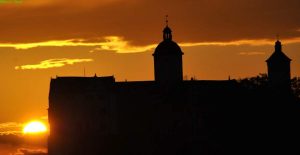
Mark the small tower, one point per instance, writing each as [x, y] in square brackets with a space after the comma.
[279, 72]
[168, 59]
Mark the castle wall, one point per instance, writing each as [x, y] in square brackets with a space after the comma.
[81, 114]
[101, 116]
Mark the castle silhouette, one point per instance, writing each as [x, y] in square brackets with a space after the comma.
[99, 116]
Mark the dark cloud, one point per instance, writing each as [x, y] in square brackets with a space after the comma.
[192, 20]
[25, 151]
[21, 145]
[11, 139]
[142, 21]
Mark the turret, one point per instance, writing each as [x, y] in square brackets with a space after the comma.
[168, 59]
[279, 73]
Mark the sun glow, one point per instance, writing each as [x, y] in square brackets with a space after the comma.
[34, 127]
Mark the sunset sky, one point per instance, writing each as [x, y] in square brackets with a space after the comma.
[42, 39]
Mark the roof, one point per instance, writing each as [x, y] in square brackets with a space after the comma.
[80, 84]
[83, 78]
[168, 47]
[278, 55]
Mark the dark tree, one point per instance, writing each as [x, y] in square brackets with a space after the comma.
[257, 82]
[295, 85]
[261, 82]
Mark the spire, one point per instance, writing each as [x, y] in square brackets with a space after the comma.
[278, 46]
[167, 32]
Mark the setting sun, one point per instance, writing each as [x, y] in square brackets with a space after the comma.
[34, 127]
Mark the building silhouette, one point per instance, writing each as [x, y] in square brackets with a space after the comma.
[97, 115]
[279, 71]
[168, 60]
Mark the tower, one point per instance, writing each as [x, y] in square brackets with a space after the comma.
[279, 73]
[168, 59]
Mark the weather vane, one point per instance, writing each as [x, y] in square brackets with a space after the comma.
[167, 21]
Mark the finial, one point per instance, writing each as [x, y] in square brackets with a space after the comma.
[278, 46]
[167, 32]
[167, 21]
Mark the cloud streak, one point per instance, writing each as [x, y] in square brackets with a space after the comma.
[120, 45]
[52, 63]
[251, 53]
[141, 21]
[109, 43]
[27, 151]
[10, 128]
[258, 42]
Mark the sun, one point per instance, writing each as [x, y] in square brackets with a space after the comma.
[34, 127]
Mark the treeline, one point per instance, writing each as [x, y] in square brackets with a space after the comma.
[261, 81]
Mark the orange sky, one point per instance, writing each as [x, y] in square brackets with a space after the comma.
[42, 39]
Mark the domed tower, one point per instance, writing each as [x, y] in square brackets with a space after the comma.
[279, 72]
[168, 59]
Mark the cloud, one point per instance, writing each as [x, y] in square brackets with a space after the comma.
[26, 151]
[233, 43]
[141, 21]
[22, 149]
[120, 45]
[251, 53]
[11, 2]
[14, 140]
[108, 43]
[10, 128]
[39, 3]
[52, 63]
[77, 3]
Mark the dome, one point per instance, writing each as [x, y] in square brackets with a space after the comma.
[167, 47]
